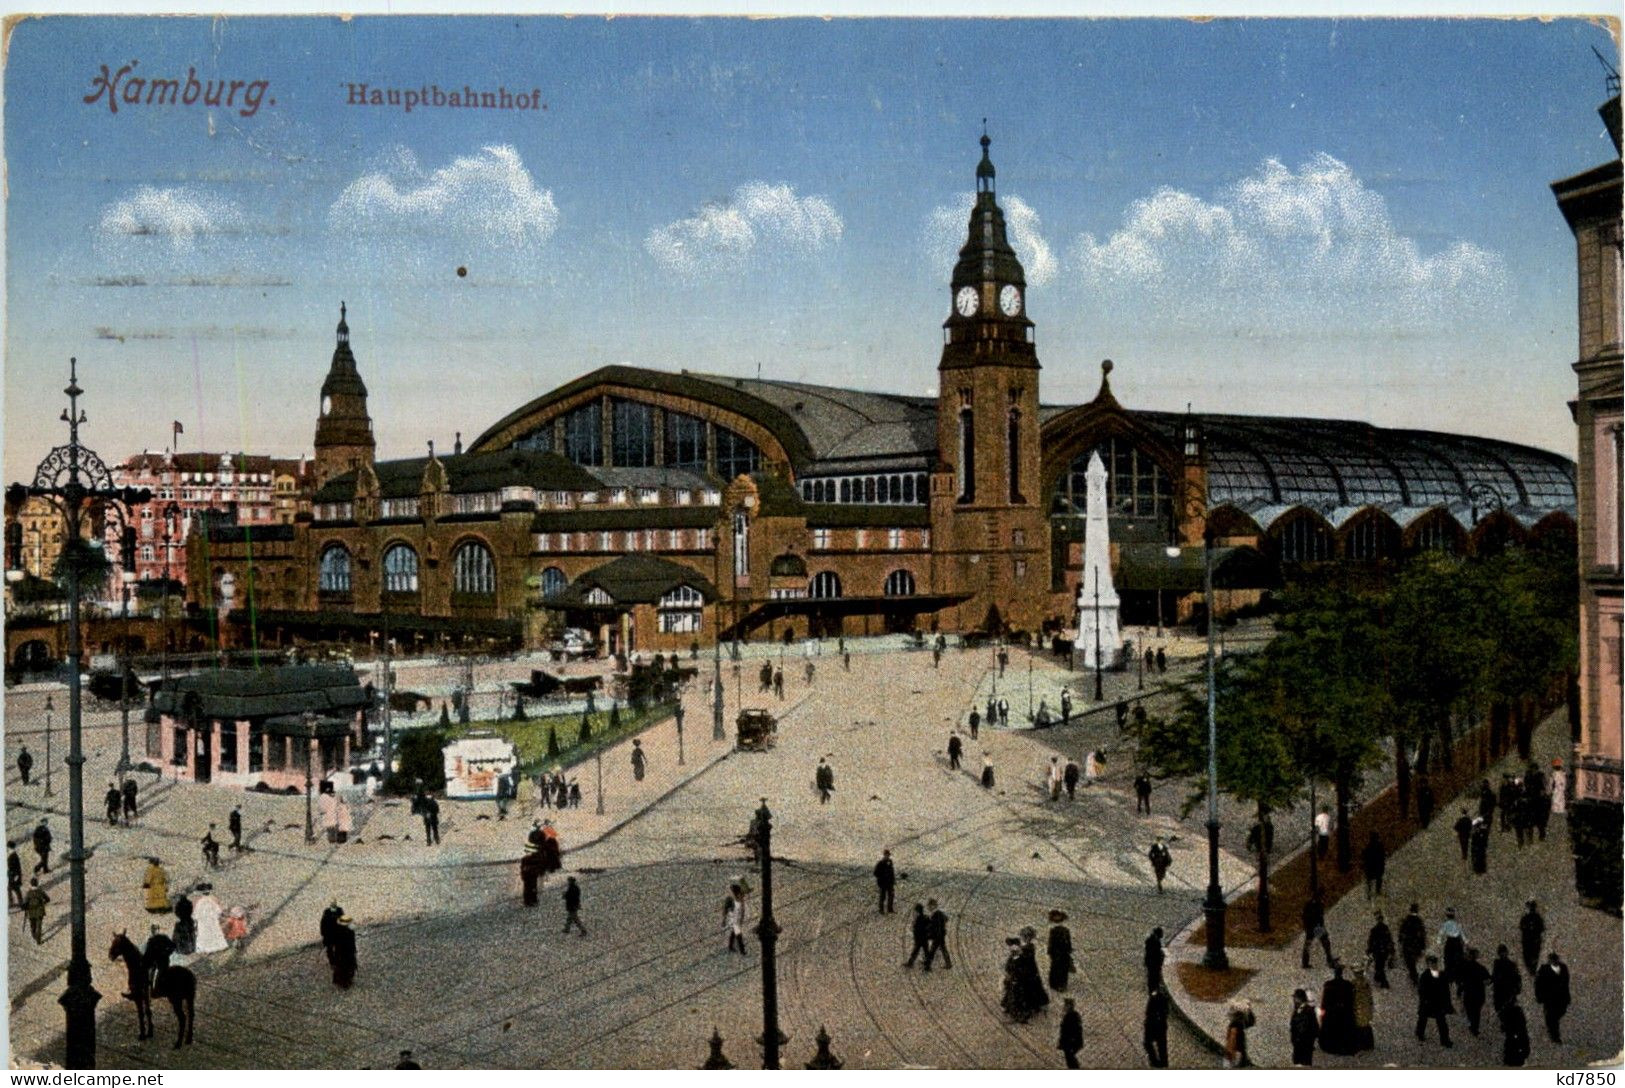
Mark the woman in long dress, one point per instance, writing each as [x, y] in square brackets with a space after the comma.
[156, 883]
[206, 914]
[1560, 789]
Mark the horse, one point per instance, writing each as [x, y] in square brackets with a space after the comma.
[124, 949]
[179, 985]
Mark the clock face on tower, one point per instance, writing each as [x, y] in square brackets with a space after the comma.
[965, 301]
[1010, 300]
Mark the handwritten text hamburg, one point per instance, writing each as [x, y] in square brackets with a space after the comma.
[123, 86]
[430, 96]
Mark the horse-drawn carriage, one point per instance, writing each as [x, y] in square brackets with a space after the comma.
[757, 730]
[543, 684]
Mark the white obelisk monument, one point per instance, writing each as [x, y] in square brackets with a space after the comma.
[1097, 597]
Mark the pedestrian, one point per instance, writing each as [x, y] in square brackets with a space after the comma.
[938, 936]
[575, 794]
[1486, 801]
[1464, 832]
[638, 760]
[1507, 800]
[1031, 996]
[1413, 940]
[505, 792]
[1515, 1029]
[34, 909]
[1337, 1034]
[25, 764]
[920, 929]
[1505, 981]
[328, 925]
[1162, 660]
[1552, 994]
[234, 824]
[1364, 1009]
[778, 683]
[810, 670]
[1057, 778]
[1239, 1020]
[1424, 801]
[428, 809]
[1004, 661]
[1150, 660]
[733, 918]
[955, 749]
[206, 912]
[1560, 791]
[407, 1062]
[211, 848]
[1094, 763]
[1303, 1028]
[846, 660]
[1433, 1002]
[113, 799]
[1154, 1031]
[1160, 860]
[1069, 778]
[14, 875]
[992, 710]
[1071, 1038]
[1453, 943]
[156, 883]
[343, 955]
[1323, 831]
[572, 907]
[886, 883]
[1142, 793]
[987, 773]
[42, 847]
[129, 793]
[185, 931]
[551, 850]
[1314, 929]
[1153, 959]
[1066, 707]
[824, 781]
[975, 723]
[1481, 846]
[1532, 928]
[1374, 861]
[530, 874]
[1060, 951]
[1471, 984]
[1004, 713]
[1379, 949]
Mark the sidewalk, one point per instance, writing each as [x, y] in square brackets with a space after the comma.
[1429, 871]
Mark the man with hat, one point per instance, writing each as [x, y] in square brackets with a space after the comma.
[938, 936]
[1060, 951]
[1071, 1040]
[886, 882]
[14, 874]
[1433, 1002]
[1160, 859]
[329, 923]
[1532, 927]
[155, 956]
[342, 954]
[115, 801]
[1154, 957]
[530, 873]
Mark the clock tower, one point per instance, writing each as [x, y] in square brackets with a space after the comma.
[988, 523]
[343, 430]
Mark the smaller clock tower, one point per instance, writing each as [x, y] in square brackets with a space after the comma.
[344, 439]
[988, 515]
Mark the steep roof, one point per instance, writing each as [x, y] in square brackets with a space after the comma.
[470, 473]
[242, 694]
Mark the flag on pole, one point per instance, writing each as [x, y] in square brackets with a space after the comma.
[178, 428]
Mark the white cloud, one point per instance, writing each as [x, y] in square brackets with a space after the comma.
[182, 215]
[489, 194]
[1312, 243]
[945, 232]
[757, 220]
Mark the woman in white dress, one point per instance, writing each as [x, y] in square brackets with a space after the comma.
[1560, 789]
[206, 913]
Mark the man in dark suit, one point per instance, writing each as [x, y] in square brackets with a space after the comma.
[1471, 980]
[1505, 982]
[886, 883]
[1071, 1039]
[939, 935]
[1532, 928]
[1433, 1002]
[1156, 1028]
[1552, 993]
[921, 928]
[1153, 960]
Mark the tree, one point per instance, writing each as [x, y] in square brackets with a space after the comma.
[586, 727]
[552, 743]
[421, 759]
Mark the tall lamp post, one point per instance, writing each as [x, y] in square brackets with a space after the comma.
[717, 730]
[309, 719]
[49, 709]
[70, 477]
[767, 930]
[680, 761]
[1213, 907]
[123, 768]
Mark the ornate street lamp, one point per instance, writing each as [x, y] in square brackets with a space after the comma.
[71, 477]
[680, 762]
[309, 720]
[1214, 906]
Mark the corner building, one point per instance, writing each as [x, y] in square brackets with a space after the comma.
[757, 506]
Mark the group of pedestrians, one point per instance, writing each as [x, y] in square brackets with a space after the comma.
[121, 801]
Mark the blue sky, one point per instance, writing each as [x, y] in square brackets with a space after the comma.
[1344, 218]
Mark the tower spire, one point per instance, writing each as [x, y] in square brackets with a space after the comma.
[344, 325]
[984, 169]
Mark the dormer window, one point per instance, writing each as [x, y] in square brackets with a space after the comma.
[648, 495]
[681, 496]
[617, 496]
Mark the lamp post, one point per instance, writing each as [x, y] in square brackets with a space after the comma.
[71, 476]
[1100, 695]
[1030, 715]
[1213, 907]
[48, 709]
[767, 930]
[599, 759]
[169, 548]
[717, 730]
[123, 768]
[309, 719]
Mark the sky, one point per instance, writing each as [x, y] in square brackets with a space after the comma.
[1341, 218]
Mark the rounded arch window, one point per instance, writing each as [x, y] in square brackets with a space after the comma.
[825, 584]
[473, 570]
[335, 569]
[900, 583]
[400, 569]
[1304, 539]
[553, 581]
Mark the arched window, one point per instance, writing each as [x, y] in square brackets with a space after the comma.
[967, 455]
[826, 583]
[473, 570]
[1304, 539]
[1372, 537]
[1013, 458]
[900, 583]
[736, 455]
[553, 581]
[400, 570]
[741, 546]
[335, 569]
[1438, 532]
[846, 490]
[1137, 489]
